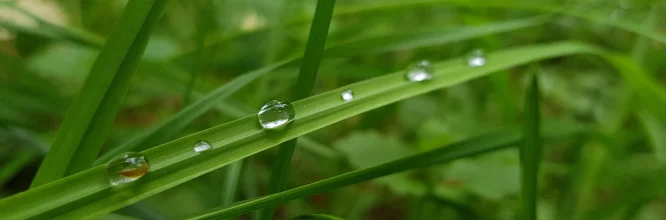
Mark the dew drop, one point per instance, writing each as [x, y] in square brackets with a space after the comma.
[347, 95]
[276, 114]
[419, 71]
[476, 58]
[202, 146]
[127, 167]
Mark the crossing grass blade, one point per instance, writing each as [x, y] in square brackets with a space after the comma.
[306, 80]
[89, 194]
[472, 146]
[89, 119]
[530, 151]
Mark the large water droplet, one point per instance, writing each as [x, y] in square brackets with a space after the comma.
[127, 167]
[476, 58]
[347, 95]
[419, 71]
[276, 114]
[202, 146]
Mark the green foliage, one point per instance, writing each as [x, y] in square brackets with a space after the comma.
[90, 116]
[469, 144]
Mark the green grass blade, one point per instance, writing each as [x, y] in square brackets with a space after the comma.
[466, 148]
[651, 94]
[50, 30]
[530, 151]
[656, 134]
[306, 79]
[90, 116]
[89, 194]
[174, 124]
[403, 41]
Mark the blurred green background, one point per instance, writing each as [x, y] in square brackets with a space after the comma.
[619, 172]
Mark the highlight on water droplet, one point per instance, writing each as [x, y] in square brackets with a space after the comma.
[347, 95]
[202, 146]
[419, 71]
[476, 58]
[127, 167]
[276, 114]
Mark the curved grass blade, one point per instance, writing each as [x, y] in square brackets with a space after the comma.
[90, 116]
[539, 6]
[530, 151]
[89, 194]
[306, 80]
[430, 37]
[466, 148]
[174, 124]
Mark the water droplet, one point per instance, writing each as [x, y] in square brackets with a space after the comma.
[276, 114]
[127, 167]
[202, 146]
[420, 71]
[476, 58]
[347, 95]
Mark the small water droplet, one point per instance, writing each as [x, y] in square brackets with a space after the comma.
[476, 58]
[419, 71]
[127, 167]
[276, 114]
[202, 146]
[347, 95]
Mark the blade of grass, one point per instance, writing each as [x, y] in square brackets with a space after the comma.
[530, 151]
[158, 135]
[90, 116]
[466, 148]
[89, 194]
[170, 127]
[50, 30]
[306, 79]
[230, 184]
[360, 9]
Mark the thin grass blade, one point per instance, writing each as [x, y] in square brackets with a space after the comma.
[530, 151]
[90, 116]
[89, 193]
[306, 79]
[466, 148]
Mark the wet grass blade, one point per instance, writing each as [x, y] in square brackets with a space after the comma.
[530, 151]
[89, 194]
[169, 128]
[466, 148]
[173, 125]
[306, 79]
[89, 119]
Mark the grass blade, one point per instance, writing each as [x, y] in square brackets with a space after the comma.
[466, 148]
[530, 151]
[306, 79]
[173, 125]
[50, 30]
[89, 194]
[90, 116]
